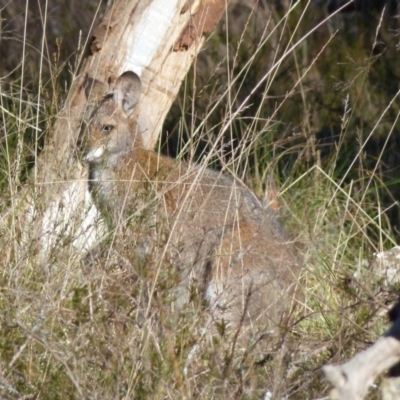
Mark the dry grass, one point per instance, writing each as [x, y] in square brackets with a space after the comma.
[275, 109]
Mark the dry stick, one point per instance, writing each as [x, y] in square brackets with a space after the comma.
[352, 379]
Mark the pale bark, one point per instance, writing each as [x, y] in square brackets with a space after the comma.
[158, 40]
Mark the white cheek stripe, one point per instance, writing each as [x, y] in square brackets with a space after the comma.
[93, 154]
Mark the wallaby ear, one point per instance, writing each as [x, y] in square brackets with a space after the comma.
[127, 90]
[94, 89]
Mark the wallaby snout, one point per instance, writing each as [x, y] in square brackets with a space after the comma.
[218, 235]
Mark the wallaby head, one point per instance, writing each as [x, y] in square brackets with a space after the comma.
[108, 128]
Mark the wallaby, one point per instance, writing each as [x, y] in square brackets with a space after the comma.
[219, 235]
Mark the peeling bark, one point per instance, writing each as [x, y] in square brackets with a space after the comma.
[206, 15]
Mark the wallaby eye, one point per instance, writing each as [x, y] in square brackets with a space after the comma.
[107, 129]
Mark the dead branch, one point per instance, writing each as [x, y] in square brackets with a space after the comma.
[352, 379]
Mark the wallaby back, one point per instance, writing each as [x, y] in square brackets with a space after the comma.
[215, 230]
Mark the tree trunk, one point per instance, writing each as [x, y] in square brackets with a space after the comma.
[158, 40]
